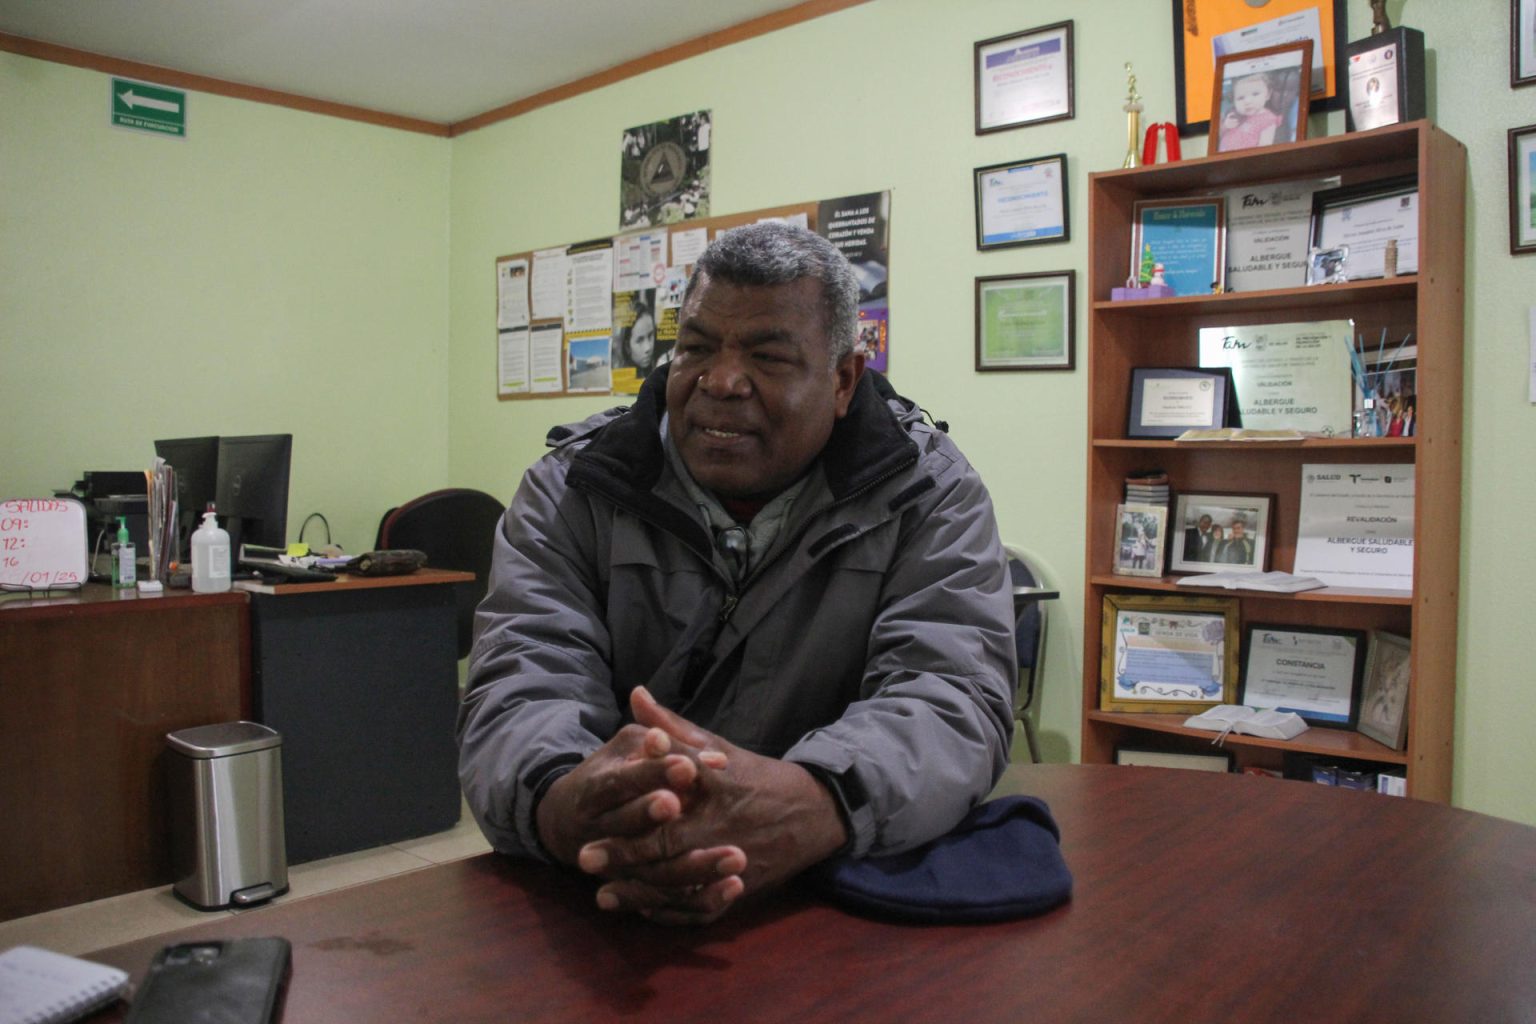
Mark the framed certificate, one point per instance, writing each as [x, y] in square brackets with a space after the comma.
[1364, 218]
[1186, 238]
[1024, 78]
[1385, 79]
[1312, 671]
[1167, 653]
[1166, 401]
[1023, 202]
[1291, 376]
[1522, 43]
[1522, 190]
[1026, 321]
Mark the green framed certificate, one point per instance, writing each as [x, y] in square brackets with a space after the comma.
[1026, 321]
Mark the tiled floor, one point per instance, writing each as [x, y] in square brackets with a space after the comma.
[80, 929]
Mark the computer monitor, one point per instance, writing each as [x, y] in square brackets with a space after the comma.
[252, 489]
[196, 462]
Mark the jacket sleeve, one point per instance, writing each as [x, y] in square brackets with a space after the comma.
[539, 697]
[930, 734]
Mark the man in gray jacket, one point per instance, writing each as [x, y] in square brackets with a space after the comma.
[758, 618]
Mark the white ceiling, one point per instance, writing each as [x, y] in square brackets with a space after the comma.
[437, 60]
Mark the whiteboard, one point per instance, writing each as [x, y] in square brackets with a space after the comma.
[42, 543]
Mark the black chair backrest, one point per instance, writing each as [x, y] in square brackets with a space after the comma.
[456, 528]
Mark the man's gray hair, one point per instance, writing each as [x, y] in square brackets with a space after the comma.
[773, 253]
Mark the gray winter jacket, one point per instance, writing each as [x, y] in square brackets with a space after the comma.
[874, 646]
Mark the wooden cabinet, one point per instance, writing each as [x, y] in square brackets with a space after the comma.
[1164, 332]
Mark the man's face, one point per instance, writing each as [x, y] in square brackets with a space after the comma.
[1237, 530]
[1205, 524]
[752, 394]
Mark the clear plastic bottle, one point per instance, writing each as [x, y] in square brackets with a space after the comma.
[210, 557]
[125, 569]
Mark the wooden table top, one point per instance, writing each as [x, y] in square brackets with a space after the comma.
[1198, 897]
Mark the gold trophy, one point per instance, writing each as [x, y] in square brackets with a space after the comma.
[1132, 110]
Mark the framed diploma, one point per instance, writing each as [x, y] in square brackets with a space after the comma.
[1204, 31]
[1384, 696]
[1522, 189]
[1365, 218]
[1385, 79]
[1024, 78]
[1166, 401]
[1222, 532]
[1260, 97]
[1026, 321]
[1023, 202]
[1186, 238]
[1167, 653]
[1522, 43]
[1312, 671]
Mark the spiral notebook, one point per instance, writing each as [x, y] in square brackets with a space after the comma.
[41, 987]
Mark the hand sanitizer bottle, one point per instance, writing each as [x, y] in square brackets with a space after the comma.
[125, 571]
[210, 557]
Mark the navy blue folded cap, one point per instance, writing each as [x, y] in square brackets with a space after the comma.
[1002, 861]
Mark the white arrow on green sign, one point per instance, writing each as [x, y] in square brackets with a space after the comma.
[149, 108]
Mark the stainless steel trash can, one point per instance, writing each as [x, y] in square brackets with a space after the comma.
[226, 790]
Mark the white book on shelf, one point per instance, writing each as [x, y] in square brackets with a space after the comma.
[1225, 718]
[1274, 582]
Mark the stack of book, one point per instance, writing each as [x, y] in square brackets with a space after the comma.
[1147, 487]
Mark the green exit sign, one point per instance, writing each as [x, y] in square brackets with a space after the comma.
[149, 108]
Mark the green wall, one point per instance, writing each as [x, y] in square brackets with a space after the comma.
[340, 263]
[274, 271]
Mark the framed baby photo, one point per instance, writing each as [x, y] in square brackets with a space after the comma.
[1259, 97]
[1221, 532]
[1140, 531]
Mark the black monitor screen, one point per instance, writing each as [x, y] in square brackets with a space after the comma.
[252, 491]
[196, 462]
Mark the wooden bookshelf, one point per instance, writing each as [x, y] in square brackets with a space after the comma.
[1164, 332]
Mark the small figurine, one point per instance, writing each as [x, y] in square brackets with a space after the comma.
[1157, 275]
[1132, 110]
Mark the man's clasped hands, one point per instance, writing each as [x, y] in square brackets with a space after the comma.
[681, 824]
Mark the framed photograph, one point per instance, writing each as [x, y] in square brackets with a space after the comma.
[1522, 189]
[1522, 43]
[1181, 240]
[1026, 321]
[1313, 671]
[1326, 266]
[1023, 202]
[1167, 653]
[1362, 219]
[1024, 78]
[1384, 697]
[1166, 401]
[1259, 97]
[1149, 758]
[1139, 534]
[1222, 532]
[1204, 31]
[1385, 79]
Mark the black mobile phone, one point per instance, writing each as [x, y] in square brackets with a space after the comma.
[233, 981]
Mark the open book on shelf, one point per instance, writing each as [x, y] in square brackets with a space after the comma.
[1274, 582]
[1242, 434]
[1225, 718]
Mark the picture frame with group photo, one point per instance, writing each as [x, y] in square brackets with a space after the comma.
[1221, 532]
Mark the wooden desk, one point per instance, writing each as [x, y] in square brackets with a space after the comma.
[1199, 897]
[90, 683]
[361, 678]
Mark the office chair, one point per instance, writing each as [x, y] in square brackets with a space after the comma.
[456, 528]
[1029, 621]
